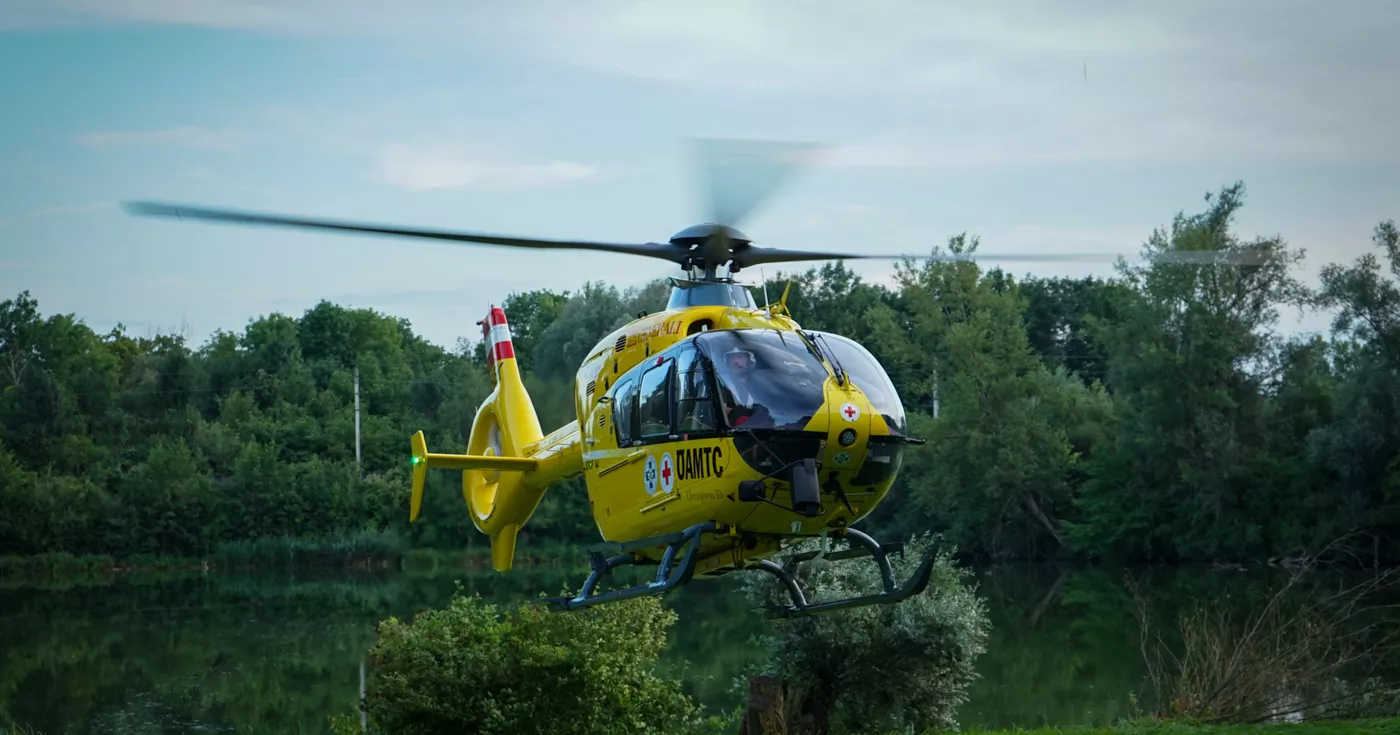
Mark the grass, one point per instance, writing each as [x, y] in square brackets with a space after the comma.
[350, 724]
[1318, 727]
[361, 549]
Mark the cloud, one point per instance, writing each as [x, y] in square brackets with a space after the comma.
[185, 137]
[820, 44]
[425, 168]
[825, 217]
[931, 85]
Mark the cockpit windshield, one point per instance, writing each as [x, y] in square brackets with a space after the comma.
[768, 379]
[872, 379]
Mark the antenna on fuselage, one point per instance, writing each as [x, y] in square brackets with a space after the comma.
[767, 303]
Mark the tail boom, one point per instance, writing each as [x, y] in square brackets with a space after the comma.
[509, 463]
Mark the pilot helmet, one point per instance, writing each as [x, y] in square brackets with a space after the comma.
[732, 358]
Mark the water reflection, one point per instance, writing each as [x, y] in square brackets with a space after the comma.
[282, 652]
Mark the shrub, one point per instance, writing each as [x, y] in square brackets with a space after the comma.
[1301, 653]
[482, 668]
[880, 667]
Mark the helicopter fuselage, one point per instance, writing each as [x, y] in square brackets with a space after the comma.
[668, 436]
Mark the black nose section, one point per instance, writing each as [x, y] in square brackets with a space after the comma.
[806, 494]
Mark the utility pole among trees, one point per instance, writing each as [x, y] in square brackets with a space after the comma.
[359, 335]
[935, 393]
[357, 413]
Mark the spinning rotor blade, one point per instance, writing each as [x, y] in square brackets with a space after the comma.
[755, 255]
[152, 209]
[738, 175]
[758, 255]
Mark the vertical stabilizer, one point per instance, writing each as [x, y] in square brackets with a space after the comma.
[509, 463]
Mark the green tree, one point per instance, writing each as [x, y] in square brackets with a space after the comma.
[1187, 362]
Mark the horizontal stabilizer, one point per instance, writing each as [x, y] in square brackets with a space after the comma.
[423, 461]
[476, 462]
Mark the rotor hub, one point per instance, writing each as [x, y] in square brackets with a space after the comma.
[697, 234]
[708, 246]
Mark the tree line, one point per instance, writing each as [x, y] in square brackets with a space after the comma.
[1158, 414]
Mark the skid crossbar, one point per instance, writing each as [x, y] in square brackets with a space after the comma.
[863, 545]
[669, 574]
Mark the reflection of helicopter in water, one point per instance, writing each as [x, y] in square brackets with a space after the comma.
[710, 435]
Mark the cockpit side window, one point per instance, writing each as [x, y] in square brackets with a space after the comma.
[654, 404]
[624, 416]
[686, 357]
[697, 412]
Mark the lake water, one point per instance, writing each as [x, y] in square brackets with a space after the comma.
[279, 652]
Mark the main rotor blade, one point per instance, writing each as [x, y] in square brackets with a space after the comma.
[154, 209]
[738, 175]
[758, 255]
[755, 255]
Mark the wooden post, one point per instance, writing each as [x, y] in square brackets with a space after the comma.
[763, 713]
[775, 708]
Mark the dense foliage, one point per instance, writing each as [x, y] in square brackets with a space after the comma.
[475, 667]
[1156, 415]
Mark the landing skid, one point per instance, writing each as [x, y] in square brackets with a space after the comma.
[668, 575]
[867, 547]
[604, 558]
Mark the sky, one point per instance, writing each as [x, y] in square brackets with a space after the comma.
[1036, 126]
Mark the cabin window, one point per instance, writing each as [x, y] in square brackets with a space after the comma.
[625, 412]
[655, 402]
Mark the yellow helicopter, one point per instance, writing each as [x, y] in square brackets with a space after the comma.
[711, 435]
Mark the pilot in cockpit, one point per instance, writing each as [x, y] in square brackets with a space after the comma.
[740, 363]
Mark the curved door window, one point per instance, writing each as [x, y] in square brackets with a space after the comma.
[624, 413]
[697, 411]
[654, 404]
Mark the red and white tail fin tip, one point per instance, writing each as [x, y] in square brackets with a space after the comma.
[496, 332]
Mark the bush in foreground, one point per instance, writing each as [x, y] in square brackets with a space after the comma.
[483, 668]
[880, 668]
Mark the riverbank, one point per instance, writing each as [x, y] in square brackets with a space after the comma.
[362, 552]
[81, 656]
[1320, 727]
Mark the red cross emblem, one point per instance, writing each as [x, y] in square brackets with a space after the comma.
[849, 412]
[667, 475]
